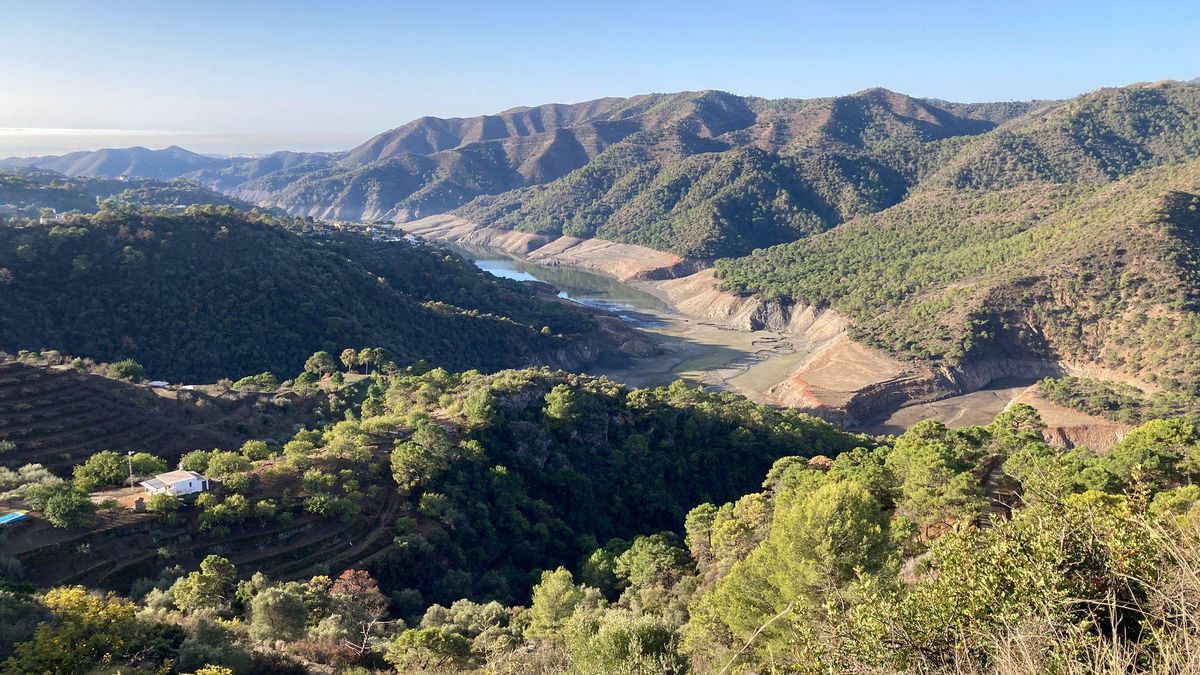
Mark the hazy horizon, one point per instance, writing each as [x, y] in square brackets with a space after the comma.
[249, 78]
[22, 142]
[34, 142]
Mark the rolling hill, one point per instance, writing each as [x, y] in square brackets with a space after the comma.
[30, 189]
[1068, 235]
[212, 293]
[703, 174]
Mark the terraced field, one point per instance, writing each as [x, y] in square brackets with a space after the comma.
[123, 547]
[58, 417]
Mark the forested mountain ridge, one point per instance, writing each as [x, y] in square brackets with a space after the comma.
[430, 135]
[1068, 234]
[803, 164]
[1094, 138]
[793, 167]
[212, 293]
[705, 174]
[29, 190]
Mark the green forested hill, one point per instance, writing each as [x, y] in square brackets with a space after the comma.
[1094, 138]
[539, 468]
[789, 169]
[1085, 255]
[214, 293]
[30, 190]
[530, 521]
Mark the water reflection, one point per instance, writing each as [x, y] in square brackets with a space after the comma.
[585, 288]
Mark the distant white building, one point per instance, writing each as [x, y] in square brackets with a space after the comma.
[176, 483]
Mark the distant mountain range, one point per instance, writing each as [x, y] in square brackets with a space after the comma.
[30, 189]
[704, 174]
[948, 233]
[674, 171]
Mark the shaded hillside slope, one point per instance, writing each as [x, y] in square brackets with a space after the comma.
[59, 416]
[1093, 275]
[215, 293]
[788, 169]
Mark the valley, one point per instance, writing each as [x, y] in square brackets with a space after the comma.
[703, 352]
[722, 344]
[683, 383]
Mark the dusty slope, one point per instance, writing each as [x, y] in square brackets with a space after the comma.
[1069, 428]
[824, 371]
[795, 355]
[621, 261]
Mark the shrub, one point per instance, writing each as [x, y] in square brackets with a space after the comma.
[145, 464]
[102, 469]
[196, 460]
[224, 463]
[164, 506]
[237, 482]
[325, 504]
[256, 450]
[65, 506]
[260, 382]
[127, 370]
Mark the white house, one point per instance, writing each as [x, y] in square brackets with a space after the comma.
[176, 483]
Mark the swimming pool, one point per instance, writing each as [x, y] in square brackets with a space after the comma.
[12, 517]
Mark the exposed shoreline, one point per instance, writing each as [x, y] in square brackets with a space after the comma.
[776, 353]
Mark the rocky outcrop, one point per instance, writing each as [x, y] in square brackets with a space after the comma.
[697, 295]
[840, 379]
[623, 262]
[918, 384]
[1068, 428]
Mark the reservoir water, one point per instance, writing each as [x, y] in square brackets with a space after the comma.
[585, 288]
[718, 357]
[702, 352]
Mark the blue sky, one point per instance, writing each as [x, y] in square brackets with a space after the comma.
[252, 76]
